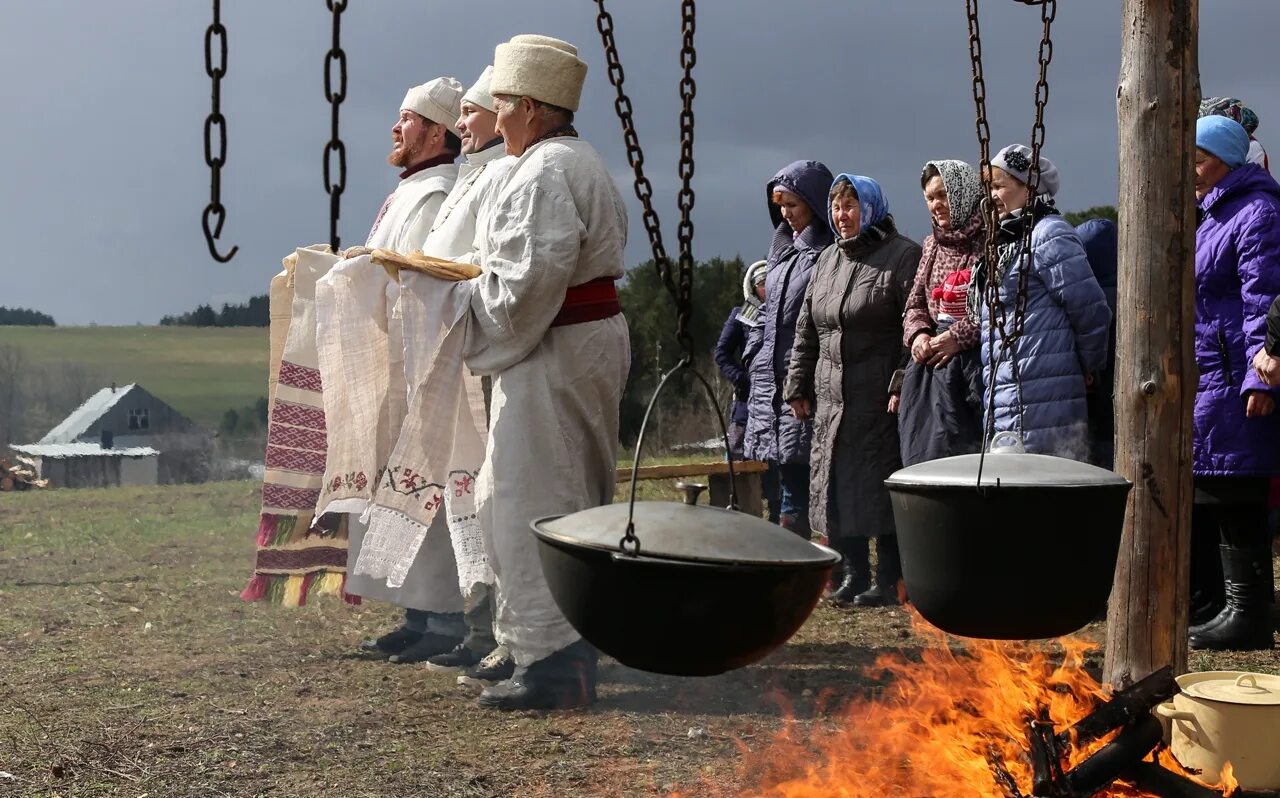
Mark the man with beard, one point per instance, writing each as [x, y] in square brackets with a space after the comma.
[453, 236]
[546, 325]
[362, 364]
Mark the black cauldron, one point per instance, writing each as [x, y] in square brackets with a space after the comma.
[705, 591]
[1029, 552]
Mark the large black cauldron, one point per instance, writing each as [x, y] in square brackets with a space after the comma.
[707, 590]
[1028, 553]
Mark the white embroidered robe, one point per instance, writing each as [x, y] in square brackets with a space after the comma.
[557, 220]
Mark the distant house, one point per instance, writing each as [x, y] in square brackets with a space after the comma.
[110, 439]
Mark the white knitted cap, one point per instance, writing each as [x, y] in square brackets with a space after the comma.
[546, 69]
[439, 100]
[479, 94]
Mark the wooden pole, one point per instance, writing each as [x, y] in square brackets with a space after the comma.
[1156, 107]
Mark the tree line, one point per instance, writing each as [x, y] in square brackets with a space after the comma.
[24, 317]
[254, 313]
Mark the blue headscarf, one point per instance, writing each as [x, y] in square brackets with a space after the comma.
[871, 202]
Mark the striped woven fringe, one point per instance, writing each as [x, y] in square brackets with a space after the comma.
[295, 564]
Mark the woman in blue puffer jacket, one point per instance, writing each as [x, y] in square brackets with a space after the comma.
[1066, 324]
[797, 197]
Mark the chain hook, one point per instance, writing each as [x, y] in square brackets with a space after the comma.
[215, 120]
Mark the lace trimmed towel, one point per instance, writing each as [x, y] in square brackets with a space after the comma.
[441, 444]
[293, 560]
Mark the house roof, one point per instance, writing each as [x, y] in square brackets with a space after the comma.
[76, 424]
[60, 450]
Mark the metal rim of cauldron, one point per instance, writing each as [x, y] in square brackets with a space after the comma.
[833, 557]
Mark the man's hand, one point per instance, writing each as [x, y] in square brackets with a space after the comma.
[895, 399]
[921, 351]
[800, 408]
[1259, 404]
[1267, 367]
[944, 347]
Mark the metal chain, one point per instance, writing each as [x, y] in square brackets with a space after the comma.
[215, 210]
[1025, 252]
[335, 98]
[680, 286]
[688, 89]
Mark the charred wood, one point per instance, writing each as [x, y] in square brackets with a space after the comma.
[1153, 778]
[1115, 758]
[1125, 707]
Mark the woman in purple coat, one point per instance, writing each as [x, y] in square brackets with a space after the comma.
[1236, 445]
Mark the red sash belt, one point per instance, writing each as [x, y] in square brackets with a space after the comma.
[591, 301]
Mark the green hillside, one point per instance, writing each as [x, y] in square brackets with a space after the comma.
[201, 371]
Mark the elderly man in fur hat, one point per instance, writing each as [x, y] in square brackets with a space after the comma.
[545, 324]
[357, 316]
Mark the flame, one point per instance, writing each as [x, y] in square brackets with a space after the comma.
[937, 726]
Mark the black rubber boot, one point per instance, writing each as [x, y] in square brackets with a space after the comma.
[1204, 602]
[854, 569]
[1207, 599]
[564, 680]
[1245, 624]
[429, 645]
[888, 571]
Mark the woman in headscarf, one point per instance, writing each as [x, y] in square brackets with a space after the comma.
[845, 372]
[1038, 378]
[941, 413]
[797, 207]
[731, 349]
[1233, 109]
[1235, 427]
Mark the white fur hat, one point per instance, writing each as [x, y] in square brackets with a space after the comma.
[546, 69]
[479, 94]
[439, 100]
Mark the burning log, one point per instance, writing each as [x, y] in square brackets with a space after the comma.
[1115, 758]
[1125, 707]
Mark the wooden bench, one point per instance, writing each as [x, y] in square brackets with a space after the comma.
[747, 472]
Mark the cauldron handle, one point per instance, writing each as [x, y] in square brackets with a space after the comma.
[630, 544]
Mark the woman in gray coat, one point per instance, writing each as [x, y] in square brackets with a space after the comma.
[845, 374]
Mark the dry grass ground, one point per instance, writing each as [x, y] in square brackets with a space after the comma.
[129, 667]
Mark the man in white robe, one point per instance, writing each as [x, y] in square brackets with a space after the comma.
[546, 326]
[425, 147]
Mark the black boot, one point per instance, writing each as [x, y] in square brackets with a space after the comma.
[564, 680]
[1209, 607]
[1245, 624]
[854, 569]
[888, 571]
[391, 643]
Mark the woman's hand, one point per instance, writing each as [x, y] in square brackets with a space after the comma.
[1267, 367]
[800, 408]
[1259, 404]
[895, 399]
[921, 350]
[944, 347]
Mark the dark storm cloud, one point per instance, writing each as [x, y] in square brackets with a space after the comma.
[100, 147]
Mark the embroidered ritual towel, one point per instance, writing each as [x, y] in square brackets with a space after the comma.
[441, 445]
[357, 330]
[293, 560]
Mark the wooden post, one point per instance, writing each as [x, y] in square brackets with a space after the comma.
[1156, 106]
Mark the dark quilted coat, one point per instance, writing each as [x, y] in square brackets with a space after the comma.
[773, 432]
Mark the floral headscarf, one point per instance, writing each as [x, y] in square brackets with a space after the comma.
[1231, 108]
[964, 189]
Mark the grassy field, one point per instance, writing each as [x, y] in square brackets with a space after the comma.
[129, 667]
[201, 371]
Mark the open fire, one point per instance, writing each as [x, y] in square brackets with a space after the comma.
[994, 719]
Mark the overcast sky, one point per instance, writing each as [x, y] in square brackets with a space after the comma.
[103, 179]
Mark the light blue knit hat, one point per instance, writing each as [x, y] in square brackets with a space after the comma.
[1223, 138]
